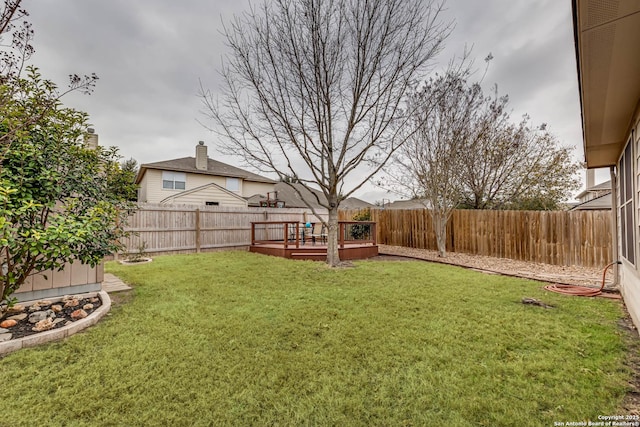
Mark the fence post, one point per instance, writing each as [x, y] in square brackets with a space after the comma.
[197, 231]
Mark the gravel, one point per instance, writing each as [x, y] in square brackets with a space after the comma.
[571, 275]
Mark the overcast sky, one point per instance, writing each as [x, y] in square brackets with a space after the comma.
[151, 54]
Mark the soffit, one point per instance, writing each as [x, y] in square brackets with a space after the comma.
[608, 51]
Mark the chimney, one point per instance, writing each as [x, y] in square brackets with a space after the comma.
[201, 156]
[591, 178]
[91, 141]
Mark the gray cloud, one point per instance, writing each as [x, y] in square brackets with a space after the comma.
[150, 55]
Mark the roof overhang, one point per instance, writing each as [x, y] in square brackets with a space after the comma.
[607, 37]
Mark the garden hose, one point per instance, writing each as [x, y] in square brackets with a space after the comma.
[585, 291]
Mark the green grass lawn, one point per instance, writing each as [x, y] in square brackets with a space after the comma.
[238, 339]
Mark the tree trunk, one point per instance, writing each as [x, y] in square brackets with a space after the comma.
[440, 228]
[333, 256]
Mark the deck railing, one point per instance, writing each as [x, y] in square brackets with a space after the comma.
[293, 234]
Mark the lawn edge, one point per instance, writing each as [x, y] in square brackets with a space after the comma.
[10, 346]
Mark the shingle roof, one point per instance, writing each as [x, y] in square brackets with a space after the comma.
[598, 187]
[599, 203]
[292, 200]
[214, 167]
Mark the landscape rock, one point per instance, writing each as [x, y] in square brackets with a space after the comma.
[94, 299]
[43, 325]
[44, 302]
[5, 337]
[18, 317]
[3, 331]
[71, 303]
[34, 307]
[18, 308]
[56, 308]
[58, 320]
[87, 307]
[37, 316]
[8, 323]
[79, 314]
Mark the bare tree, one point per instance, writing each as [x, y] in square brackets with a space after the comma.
[429, 165]
[314, 88]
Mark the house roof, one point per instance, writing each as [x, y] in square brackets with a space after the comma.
[599, 203]
[288, 194]
[200, 188]
[603, 186]
[214, 167]
[607, 36]
[408, 204]
[355, 203]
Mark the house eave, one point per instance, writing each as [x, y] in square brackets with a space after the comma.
[607, 38]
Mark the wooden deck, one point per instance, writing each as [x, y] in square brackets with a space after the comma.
[296, 243]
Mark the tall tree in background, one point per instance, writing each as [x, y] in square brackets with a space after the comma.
[314, 88]
[516, 165]
[465, 152]
[56, 201]
[429, 165]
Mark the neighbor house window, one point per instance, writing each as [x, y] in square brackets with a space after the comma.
[212, 203]
[627, 229]
[173, 180]
[233, 184]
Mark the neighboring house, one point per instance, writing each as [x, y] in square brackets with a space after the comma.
[594, 197]
[291, 198]
[353, 203]
[408, 204]
[607, 37]
[199, 180]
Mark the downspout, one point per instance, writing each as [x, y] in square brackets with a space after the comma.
[614, 225]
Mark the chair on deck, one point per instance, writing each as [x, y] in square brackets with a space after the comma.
[322, 235]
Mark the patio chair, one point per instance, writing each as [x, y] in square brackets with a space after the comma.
[322, 235]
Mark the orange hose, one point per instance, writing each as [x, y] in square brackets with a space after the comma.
[584, 291]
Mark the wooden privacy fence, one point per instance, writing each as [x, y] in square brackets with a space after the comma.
[185, 229]
[581, 238]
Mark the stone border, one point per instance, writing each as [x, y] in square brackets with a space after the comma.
[33, 340]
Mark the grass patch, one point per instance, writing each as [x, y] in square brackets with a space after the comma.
[235, 338]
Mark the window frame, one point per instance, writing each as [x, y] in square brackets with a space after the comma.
[172, 180]
[626, 203]
[236, 188]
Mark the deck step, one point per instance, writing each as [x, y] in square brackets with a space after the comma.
[313, 256]
[298, 254]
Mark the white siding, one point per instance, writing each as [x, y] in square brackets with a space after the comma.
[629, 275]
[209, 194]
[151, 190]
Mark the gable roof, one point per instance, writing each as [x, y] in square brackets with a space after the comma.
[292, 200]
[355, 203]
[603, 186]
[200, 188]
[599, 203]
[214, 167]
[408, 204]
[286, 193]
